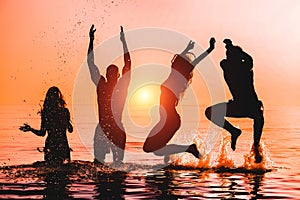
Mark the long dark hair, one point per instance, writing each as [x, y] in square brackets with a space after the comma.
[53, 101]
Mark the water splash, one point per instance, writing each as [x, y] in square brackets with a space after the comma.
[224, 160]
[249, 159]
[188, 160]
[79, 170]
[212, 137]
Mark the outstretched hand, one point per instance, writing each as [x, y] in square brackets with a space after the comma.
[92, 31]
[190, 45]
[25, 128]
[212, 42]
[122, 36]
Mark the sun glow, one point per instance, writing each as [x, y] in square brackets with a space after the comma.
[146, 96]
[142, 102]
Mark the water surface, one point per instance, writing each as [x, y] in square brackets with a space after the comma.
[223, 174]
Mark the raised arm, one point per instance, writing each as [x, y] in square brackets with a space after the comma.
[127, 60]
[94, 71]
[188, 47]
[205, 53]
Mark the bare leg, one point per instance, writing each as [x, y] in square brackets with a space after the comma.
[217, 114]
[101, 145]
[118, 155]
[118, 144]
[175, 149]
[258, 127]
[162, 132]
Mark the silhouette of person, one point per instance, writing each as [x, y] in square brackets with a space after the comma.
[171, 91]
[111, 96]
[55, 120]
[238, 74]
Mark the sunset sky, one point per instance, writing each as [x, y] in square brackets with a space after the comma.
[44, 43]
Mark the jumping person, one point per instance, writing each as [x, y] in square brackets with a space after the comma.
[172, 90]
[238, 74]
[111, 96]
[55, 121]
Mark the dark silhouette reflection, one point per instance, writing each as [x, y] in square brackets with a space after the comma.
[230, 190]
[238, 74]
[111, 96]
[256, 180]
[172, 89]
[160, 183]
[55, 121]
[56, 186]
[110, 185]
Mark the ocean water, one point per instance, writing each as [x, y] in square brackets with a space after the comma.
[221, 174]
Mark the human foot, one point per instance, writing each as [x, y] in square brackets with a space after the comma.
[234, 137]
[193, 150]
[257, 156]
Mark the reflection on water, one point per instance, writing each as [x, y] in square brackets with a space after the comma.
[56, 185]
[83, 179]
[110, 186]
[222, 174]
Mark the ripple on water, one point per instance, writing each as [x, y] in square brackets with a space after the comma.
[83, 179]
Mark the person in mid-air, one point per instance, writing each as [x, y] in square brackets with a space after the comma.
[172, 90]
[238, 74]
[55, 121]
[111, 96]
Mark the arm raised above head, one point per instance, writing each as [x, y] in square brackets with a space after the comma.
[212, 42]
[127, 60]
[94, 71]
[190, 46]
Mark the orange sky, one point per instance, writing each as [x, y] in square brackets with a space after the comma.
[45, 43]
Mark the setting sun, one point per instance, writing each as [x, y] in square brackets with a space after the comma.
[146, 96]
[142, 101]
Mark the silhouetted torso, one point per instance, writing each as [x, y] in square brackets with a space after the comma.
[111, 100]
[177, 82]
[56, 122]
[120, 94]
[238, 75]
[104, 95]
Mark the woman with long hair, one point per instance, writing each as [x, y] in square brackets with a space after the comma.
[55, 120]
[172, 90]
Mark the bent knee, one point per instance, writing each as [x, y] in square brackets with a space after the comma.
[147, 148]
[208, 112]
[151, 147]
